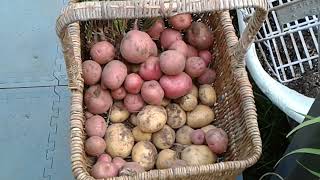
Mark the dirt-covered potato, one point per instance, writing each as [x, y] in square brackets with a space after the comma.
[144, 153]
[201, 116]
[207, 95]
[119, 113]
[165, 157]
[188, 102]
[183, 135]
[176, 116]
[140, 135]
[133, 119]
[208, 128]
[164, 138]
[198, 155]
[119, 140]
[151, 118]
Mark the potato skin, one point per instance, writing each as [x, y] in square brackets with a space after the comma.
[206, 56]
[152, 93]
[164, 138]
[118, 113]
[198, 137]
[130, 169]
[95, 126]
[119, 140]
[150, 70]
[118, 162]
[194, 91]
[97, 100]
[169, 36]
[103, 170]
[181, 21]
[156, 29]
[200, 36]
[91, 71]
[217, 140]
[140, 135]
[176, 86]
[133, 83]
[102, 52]
[188, 102]
[164, 158]
[151, 118]
[208, 77]
[133, 119]
[207, 95]
[198, 155]
[144, 153]
[172, 62]
[192, 52]
[201, 116]
[176, 116]
[113, 75]
[208, 128]
[118, 94]
[180, 46]
[195, 67]
[133, 102]
[183, 135]
[95, 146]
[105, 158]
[165, 102]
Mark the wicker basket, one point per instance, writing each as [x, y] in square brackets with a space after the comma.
[235, 109]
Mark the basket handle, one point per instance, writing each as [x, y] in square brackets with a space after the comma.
[98, 10]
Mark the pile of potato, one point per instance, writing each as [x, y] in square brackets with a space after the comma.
[158, 97]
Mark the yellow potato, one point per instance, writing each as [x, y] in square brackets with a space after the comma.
[165, 157]
[198, 155]
[208, 128]
[207, 95]
[194, 91]
[118, 113]
[145, 154]
[139, 135]
[183, 135]
[201, 116]
[176, 116]
[188, 102]
[151, 118]
[164, 138]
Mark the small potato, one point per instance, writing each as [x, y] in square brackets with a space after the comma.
[103, 170]
[95, 146]
[97, 100]
[198, 155]
[198, 137]
[192, 52]
[150, 70]
[195, 66]
[131, 169]
[165, 102]
[181, 21]
[145, 154]
[194, 91]
[207, 95]
[172, 62]
[105, 158]
[200, 36]
[119, 140]
[188, 102]
[119, 113]
[176, 86]
[169, 36]
[152, 93]
[140, 135]
[118, 162]
[164, 158]
[180, 46]
[164, 138]
[91, 72]
[133, 119]
[217, 140]
[183, 135]
[118, 94]
[133, 102]
[152, 118]
[95, 126]
[208, 128]
[208, 77]
[133, 83]
[201, 116]
[113, 75]
[206, 56]
[102, 52]
[156, 29]
[176, 116]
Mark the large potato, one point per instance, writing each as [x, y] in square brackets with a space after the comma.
[113, 75]
[91, 71]
[207, 95]
[152, 118]
[176, 116]
[164, 138]
[145, 154]
[176, 86]
[198, 155]
[200, 36]
[201, 116]
[102, 52]
[118, 113]
[139, 135]
[172, 62]
[97, 100]
[165, 158]
[183, 135]
[188, 102]
[119, 140]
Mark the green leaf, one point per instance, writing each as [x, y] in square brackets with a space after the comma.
[302, 150]
[304, 124]
[305, 115]
[311, 171]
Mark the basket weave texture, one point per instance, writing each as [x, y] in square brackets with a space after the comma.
[235, 109]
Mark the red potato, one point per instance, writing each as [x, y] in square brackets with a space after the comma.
[176, 86]
[181, 21]
[150, 70]
[206, 56]
[152, 93]
[95, 126]
[136, 46]
[130, 169]
[118, 94]
[156, 29]
[208, 77]
[114, 74]
[133, 83]
[104, 158]
[172, 62]
[169, 36]
[180, 46]
[195, 67]
[102, 52]
[200, 36]
[103, 170]
[197, 137]
[133, 102]
[91, 72]
[88, 115]
[97, 100]
[118, 162]
[192, 52]
[217, 140]
[95, 146]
